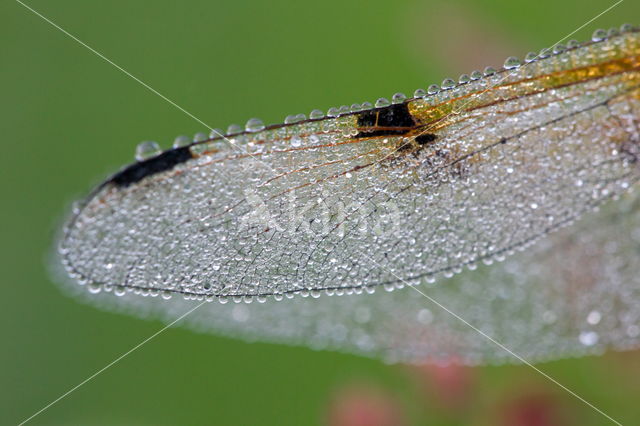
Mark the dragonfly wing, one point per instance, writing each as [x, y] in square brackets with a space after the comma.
[345, 211]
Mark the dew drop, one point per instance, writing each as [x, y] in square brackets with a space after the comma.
[625, 28]
[181, 141]
[489, 71]
[433, 89]
[464, 79]
[476, 75]
[633, 330]
[94, 288]
[233, 129]
[315, 114]
[216, 133]
[419, 93]
[448, 83]
[559, 48]
[146, 150]
[296, 141]
[572, 44]
[289, 119]
[531, 56]
[594, 317]
[333, 112]
[200, 137]
[544, 53]
[398, 98]
[382, 102]
[599, 35]
[254, 125]
[588, 338]
[511, 62]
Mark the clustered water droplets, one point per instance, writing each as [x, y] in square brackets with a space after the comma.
[342, 214]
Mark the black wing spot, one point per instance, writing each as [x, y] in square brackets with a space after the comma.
[138, 171]
[385, 119]
[425, 138]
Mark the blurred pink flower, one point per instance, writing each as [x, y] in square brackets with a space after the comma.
[364, 406]
[532, 410]
[451, 385]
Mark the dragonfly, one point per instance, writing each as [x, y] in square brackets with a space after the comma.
[507, 195]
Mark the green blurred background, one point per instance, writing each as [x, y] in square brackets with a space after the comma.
[69, 118]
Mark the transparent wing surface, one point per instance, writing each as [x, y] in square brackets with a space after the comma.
[398, 193]
[393, 196]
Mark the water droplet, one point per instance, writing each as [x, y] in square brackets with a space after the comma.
[398, 98]
[181, 141]
[433, 89]
[511, 62]
[625, 28]
[315, 114]
[544, 53]
[594, 317]
[476, 75]
[367, 105]
[588, 338]
[333, 112]
[419, 93]
[489, 71]
[216, 133]
[254, 125]
[572, 44]
[633, 330]
[425, 316]
[233, 129]
[464, 79]
[382, 102]
[356, 108]
[599, 35]
[146, 150]
[559, 48]
[166, 295]
[200, 137]
[289, 119]
[448, 83]
[94, 288]
[531, 56]
[612, 32]
[296, 141]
